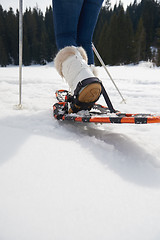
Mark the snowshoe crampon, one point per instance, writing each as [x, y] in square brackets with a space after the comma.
[97, 114]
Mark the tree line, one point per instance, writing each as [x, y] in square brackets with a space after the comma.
[39, 44]
[121, 36]
[130, 36]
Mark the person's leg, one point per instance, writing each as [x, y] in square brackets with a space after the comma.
[66, 16]
[71, 61]
[87, 22]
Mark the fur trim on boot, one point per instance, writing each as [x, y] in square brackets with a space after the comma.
[66, 52]
[83, 53]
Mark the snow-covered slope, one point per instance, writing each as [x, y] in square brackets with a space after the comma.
[74, 181]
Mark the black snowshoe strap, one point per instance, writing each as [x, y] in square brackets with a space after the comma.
[107, 100]
[87, 106]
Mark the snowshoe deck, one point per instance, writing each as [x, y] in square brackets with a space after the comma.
[98, 113]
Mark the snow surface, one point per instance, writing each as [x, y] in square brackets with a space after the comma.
[78, 181]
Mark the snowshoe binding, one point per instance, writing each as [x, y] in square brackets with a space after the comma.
[70, 108]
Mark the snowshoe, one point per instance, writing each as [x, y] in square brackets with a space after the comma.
[97, 113]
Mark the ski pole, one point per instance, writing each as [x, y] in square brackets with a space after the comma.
[20, 51]
[102, 63]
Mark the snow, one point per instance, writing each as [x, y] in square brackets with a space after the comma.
[78, 181]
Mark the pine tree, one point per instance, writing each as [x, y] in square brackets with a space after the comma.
[140, 42]
[149, 16]
[4, 51]
[102, 45]
[134, 11]
[158, 47]
[12, 35]
[120, 37]
[50, 37]
[27, 37]
[37, 17]
[129, 40]
[27, 58]
[3, 54]
[112, 40]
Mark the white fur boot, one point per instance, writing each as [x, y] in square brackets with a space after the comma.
[71, 63]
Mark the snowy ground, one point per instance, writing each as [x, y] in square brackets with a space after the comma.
[74, 181]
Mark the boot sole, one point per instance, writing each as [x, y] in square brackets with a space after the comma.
[90, 93]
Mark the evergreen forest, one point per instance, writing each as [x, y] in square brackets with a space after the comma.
[121, 36]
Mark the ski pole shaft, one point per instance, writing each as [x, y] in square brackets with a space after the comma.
[20, 49]
[102, 63]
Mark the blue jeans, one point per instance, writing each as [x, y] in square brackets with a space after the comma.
[74, 23]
